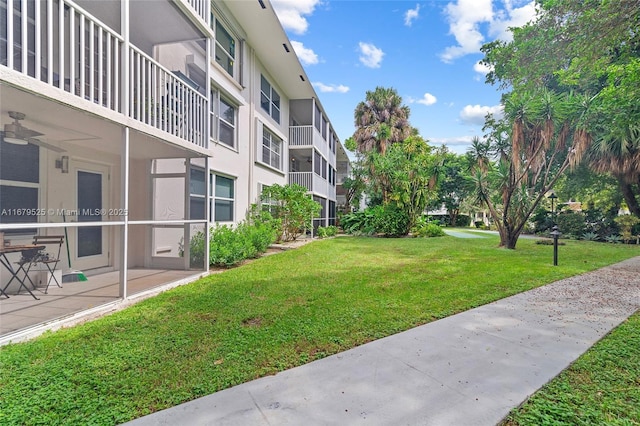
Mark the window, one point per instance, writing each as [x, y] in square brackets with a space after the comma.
[222, 114]
[271, 149]
[225, 48]
[222, 198]
[317, 118]
[19, 185]
[197, 194]
[317, 163]
[269, 99]
[268, 204]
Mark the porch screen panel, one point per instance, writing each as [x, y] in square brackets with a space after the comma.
[89, 203]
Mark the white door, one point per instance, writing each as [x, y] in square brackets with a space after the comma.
[90, 244]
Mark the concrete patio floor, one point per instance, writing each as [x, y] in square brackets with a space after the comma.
[20, 312]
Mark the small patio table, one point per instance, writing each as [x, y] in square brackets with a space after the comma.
[28, 252]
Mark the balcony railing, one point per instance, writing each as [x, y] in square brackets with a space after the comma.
[62, 45]
[201, 7]
[165, 100]
[300, 135]
[59, 43]
[302, 178]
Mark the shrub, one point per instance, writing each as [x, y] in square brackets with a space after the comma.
[362, 222]
[463, 220]
[229, 247]
[328, 231]
[590, 236]
[614, 239]
[424, 228]
[292, 205]
[196, 250]
[571, 223]
[393, 221]
[626, 223]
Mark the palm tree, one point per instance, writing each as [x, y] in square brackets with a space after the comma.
[619, 154]
[380, 120]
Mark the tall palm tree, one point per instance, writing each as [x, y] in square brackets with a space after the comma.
[381, 120]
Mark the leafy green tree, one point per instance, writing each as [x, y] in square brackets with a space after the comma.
[455, 185]
[407, 173]
[541, 135]
[292, 207]
[380, 120]
[589, 47]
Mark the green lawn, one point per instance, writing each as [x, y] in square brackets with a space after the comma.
[275, 313]
[601, 388]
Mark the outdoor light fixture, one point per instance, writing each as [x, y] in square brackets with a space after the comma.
[553, 197]
[555, 234]
[63, 164]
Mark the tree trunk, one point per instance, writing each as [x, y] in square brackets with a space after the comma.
[453, 216]
[508, 238]
[630, 197]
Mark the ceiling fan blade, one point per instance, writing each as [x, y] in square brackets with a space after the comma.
[45, 145]
[28, 133]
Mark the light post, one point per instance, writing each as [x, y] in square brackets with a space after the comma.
[554, 231]
[553, 197]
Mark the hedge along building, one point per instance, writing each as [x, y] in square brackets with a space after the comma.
[131, 125]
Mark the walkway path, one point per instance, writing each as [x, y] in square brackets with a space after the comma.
[467, 369]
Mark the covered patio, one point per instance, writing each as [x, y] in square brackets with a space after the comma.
[23, 316]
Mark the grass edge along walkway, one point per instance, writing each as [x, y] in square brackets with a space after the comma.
[601, 387]
[265, 317]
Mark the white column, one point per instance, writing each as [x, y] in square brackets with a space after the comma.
[124, 202]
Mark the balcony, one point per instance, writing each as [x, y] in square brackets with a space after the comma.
[306, 137]
[58, 43]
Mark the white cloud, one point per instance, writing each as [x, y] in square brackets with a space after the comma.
[370, 55]
[427, 99]
[292, 13]
[411, 15]
[465, 18]
[511, 17]
[481, 68]
[475, 114]
[330, 88]
[458, 144]
[307, 56]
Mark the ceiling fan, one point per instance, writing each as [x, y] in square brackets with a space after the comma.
[17, 134]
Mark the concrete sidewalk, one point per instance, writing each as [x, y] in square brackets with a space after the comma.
[467, 369]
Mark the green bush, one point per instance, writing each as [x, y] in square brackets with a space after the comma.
[389, 220]
[392, 221]
[229, 246]
[425, 228]
[361, 222]
[328, 231]
[196, 249]
[571, 223]
[463, 220]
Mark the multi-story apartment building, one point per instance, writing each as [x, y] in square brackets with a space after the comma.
[130, 125]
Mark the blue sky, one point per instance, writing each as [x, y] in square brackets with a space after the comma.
[427, 50]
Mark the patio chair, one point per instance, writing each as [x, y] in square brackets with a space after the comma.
[49, 259]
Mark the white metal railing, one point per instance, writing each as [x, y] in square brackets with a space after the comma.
[201, 7]
[300, 135]
[302, 178]
[59, 43]
[166, 100]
